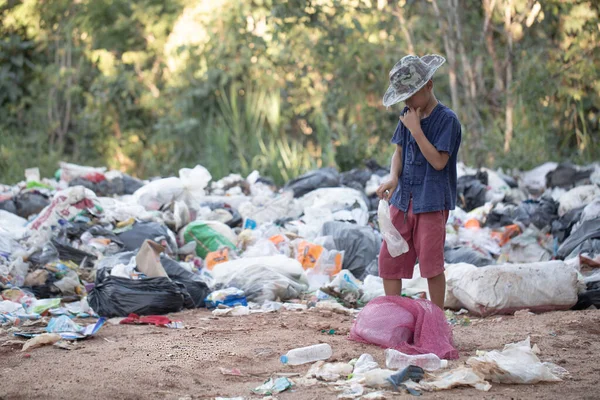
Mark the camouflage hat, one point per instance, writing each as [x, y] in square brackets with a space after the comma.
[409, 75]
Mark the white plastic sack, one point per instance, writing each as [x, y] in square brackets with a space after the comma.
[516, 363]
[124, 209]
[189, 187]
[590, 212]
[372, 288]
[264, 209]
[194, 182]
[395, 242]
[73, 171]
[535, 180]
[504, 289]
[12, 224]
[577, 197]
[262, 283]
[65, 205]
[287, 266]
[337, 200]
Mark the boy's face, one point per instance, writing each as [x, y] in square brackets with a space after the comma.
[421, 98]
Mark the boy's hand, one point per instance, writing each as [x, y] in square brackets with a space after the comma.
[412, 119]
[387, 189]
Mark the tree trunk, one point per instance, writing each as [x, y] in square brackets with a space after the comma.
[488, 7]
[450, 56]
[399, 13]
[508, 133]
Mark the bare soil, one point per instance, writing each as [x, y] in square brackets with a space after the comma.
[148, 362]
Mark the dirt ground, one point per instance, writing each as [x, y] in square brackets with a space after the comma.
[147, 362]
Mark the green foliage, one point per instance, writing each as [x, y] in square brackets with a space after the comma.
[148, 86]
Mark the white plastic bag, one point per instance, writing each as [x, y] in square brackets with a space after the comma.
[504, 289]
[395, 242]
[577, 197]
[516, 363]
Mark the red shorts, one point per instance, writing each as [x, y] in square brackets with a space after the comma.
[425, 234]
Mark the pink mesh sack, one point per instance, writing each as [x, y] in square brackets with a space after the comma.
[409, 326]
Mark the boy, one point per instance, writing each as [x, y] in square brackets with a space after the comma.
[422, 188]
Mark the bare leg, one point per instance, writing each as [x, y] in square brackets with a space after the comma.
[392, 287]
[437, 289]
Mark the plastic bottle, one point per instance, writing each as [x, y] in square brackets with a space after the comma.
[308, 354]
[397, 360]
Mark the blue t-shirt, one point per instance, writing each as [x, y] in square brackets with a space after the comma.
[430, 189]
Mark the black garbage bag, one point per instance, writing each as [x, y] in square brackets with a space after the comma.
[8, 205]
[541, 213]
[561, 228]
[98, 230]
[357, 176]
[566, 175]
[471, 190]
[359, 243]
[119, 297]
[590, 247]
[131, 184]
[30, 203]
[501, 215]
[107, 188]
[79, 257]
[510, 181]
[376, 168]
[590, 297]
[467, 255]
[81, 181]
[587, 231]
[195, 287]
[321, 178]
[141, 231]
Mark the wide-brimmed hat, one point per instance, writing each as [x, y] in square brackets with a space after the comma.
[409, 75]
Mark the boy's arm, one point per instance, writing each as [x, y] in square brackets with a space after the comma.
[437, 159]
[412, 121]
[387, 189]
[396, 168]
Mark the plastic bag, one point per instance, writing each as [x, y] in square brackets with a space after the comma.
[365, 363]
[135, 237]
[409, 326]
[395, 242]
[577, 197]
[263, 278]
[316, 258]
[119, 297]
[269, 208]
[195, 287]
[504, 289]
[62, 324]
[516, 363]
[65, 205]
[41, 340]
[209, 236]
[360, 245]
[321, 178]
[460, 376]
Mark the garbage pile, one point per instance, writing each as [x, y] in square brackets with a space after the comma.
[100, 243]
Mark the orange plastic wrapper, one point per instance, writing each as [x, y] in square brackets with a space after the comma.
[309, 254]
[216, 257]
[509, 232]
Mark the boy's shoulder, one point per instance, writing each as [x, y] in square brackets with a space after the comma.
[447, 112]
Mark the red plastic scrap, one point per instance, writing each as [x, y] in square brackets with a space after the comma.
[95, 177]
[158, 320]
